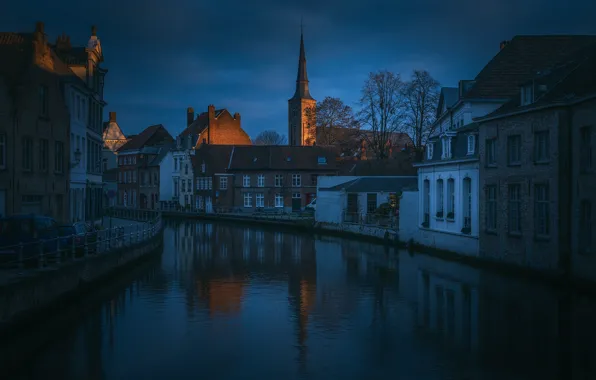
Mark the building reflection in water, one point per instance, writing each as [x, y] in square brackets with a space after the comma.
[342, 296]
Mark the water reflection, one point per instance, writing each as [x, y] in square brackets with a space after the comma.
[238, 302]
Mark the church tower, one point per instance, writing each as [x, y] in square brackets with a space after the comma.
[301, 107]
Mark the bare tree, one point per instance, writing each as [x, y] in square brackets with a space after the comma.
[421, 95]
[382, 110]
[270, 137]
[335, 122]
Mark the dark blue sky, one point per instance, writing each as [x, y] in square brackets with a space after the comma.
[164, 56]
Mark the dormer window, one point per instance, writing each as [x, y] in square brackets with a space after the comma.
[430, 151]
[446, 145]
[471, 144]
[527, 95]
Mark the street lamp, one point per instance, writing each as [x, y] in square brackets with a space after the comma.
[77, 158]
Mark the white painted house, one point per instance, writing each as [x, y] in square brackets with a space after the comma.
[166, 180]
[182, 176]
[356, 199]
[77, 96]
[86, 103]
[447, 204]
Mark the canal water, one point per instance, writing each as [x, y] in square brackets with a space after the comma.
[233, 302]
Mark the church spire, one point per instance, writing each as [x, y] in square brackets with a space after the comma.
[302, 91]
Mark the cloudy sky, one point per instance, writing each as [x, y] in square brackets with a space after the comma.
[164, 56]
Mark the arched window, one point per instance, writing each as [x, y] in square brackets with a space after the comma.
[426, 203]
[440, 199]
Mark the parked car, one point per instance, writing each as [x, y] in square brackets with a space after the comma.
[37, 234]
[81, 233]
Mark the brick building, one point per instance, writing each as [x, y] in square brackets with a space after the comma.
[537, 170]
[213, 186]
[214, 127]
[34, 127]
[138, 186]
[279, 177]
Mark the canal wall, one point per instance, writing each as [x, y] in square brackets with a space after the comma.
[26, 297]
[304, 224]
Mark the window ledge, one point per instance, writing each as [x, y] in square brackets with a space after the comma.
[450, 220]
[439, 219]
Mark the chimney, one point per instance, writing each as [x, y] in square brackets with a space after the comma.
[237, 116]
[211, 110]
[39, 27]
[190, 116]
[503, 44]
[63, 43]
[112, 117]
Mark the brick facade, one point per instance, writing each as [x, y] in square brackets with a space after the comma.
[34, 129]
[295, 198]
[526, 247]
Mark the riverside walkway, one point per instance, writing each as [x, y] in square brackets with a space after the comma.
[25, 261]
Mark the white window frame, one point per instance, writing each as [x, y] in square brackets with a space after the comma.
[246, 181]
[260, 200]
[430, 150]
[261, 180]
[296, 180]
[471, 144]
[247, 200]
[279, 180]
[223, 183]
[279, 200]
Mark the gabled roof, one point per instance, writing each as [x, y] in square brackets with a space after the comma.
[376, 185]
[448, 97]
[138, 141]
[567, 81]
[519, 61]
[400, 164]
[200, 123]
[277, 157]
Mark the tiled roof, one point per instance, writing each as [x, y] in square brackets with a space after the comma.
[216, 157]
[377, 184]
[17, 51]
[277, 157]
[138, 141]
[570, 79]
[519, 61]
[198, 125]
[400, 164]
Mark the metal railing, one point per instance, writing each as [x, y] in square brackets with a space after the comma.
[372, 219]
[55, 251]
